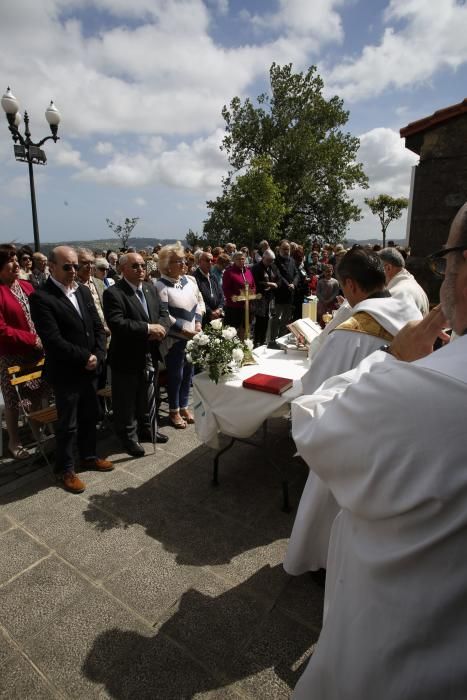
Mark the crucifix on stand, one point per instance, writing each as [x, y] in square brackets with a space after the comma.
[246, 296]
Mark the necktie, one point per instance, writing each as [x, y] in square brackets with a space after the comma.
[142, 298]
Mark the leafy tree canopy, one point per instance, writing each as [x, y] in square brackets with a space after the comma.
[387, 209]
[251, 208]
[312, 161]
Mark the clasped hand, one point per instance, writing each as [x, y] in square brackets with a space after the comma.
[156, 331]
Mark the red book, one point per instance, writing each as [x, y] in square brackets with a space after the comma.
[268, 383]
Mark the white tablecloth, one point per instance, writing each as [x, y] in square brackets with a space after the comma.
[231, 409]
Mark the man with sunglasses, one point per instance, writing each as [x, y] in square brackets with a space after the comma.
[137, 323]
[388, 439]
[74, 343]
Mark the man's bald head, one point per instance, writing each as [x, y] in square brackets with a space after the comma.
[63, 263]
[453, 292]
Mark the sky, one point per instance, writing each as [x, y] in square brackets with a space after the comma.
[140, 87]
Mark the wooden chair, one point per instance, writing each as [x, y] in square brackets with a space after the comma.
[19, 374]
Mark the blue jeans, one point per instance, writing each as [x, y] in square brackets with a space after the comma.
[179, 374]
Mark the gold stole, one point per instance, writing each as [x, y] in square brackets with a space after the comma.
[362, 322]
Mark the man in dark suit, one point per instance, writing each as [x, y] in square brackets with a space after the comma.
[74, 343]
[137, 324]
[210, 289]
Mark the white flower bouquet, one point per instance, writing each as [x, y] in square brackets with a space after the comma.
[218, 350]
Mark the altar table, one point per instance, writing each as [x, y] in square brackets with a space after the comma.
[238, 413]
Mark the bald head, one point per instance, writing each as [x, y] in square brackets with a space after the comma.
[63, 263]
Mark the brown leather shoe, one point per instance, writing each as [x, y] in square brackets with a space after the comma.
[72, 483]
[101, 465]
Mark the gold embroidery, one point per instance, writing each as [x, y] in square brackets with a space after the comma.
[362, 322]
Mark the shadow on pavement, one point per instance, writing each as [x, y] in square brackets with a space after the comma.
[209, 642]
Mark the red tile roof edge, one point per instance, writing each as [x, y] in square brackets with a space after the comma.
[438, 117]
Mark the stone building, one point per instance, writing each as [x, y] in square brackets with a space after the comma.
[439, 186]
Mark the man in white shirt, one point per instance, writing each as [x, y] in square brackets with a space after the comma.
[391, 448]
[400, 282]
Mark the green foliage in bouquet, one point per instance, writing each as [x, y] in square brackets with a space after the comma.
[218, 350]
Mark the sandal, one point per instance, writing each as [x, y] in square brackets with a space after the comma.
[177, 421]
[19, 453]
[187, 415]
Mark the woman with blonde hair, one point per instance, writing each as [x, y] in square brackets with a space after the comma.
[179, 295]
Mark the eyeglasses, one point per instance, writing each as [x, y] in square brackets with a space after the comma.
[86, 263]
[177, 262]
[137, 266]
[437, 261]
[102, 269]
[68, 267]
[25, 257]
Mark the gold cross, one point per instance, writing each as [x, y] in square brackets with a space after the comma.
[246, 296]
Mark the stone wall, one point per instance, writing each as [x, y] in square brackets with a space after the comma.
[440, 188]
[440, 185]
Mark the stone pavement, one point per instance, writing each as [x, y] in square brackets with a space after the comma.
[152, 583]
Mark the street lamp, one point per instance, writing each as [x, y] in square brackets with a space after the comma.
[26, 151]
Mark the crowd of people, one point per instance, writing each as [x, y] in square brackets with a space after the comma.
[380, 421]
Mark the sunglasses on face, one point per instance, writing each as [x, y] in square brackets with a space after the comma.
[438, 261]
[68, 267]
[25, 257]
[138, 266]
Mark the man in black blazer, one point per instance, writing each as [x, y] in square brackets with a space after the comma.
[74, 343]
[210, 289]
[137, 323]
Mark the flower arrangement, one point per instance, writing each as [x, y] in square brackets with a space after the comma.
[218, 350]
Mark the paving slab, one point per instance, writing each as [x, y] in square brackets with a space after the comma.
[30, 602]
[20, 681]
[158, 668]
[17, 552]
[98, 550]
[152, 582]
[7, 648]
[92, 633]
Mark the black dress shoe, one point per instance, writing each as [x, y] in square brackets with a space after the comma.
[146, 436]
[133, 448]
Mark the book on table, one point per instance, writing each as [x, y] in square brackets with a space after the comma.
[304, 329]
[268, 383]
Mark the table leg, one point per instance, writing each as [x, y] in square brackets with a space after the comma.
[215, 479]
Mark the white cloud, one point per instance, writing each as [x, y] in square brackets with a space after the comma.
[165, 75]
[432, 37]
[317, 20]
[140, 201]
[197, 166]
[63, 154]
[104, 148]
[388, 165]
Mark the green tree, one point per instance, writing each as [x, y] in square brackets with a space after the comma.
[387, 209]
[193, 239]
[313, 162]
[123, 231]
[251, 208]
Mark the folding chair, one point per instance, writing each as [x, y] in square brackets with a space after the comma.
[19, 375]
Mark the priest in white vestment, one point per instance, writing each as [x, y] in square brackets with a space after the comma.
[390, 444]
[376, 318]
[400, 282]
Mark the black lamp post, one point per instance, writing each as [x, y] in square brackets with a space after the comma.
[26, 151]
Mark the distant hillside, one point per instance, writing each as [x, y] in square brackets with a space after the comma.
[371, 241]
[108, 243]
